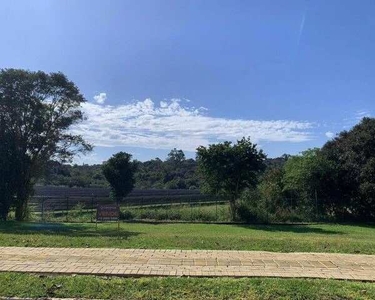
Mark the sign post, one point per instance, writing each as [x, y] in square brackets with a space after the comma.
[108, 213]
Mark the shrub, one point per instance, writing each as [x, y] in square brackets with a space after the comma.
[126, 215]
[251, 214]
[78, 214]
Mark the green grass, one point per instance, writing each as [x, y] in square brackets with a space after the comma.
[27, 285]
[280, 238]
[205, 212]
[209, 213]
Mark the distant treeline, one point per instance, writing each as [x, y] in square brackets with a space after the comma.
[176, 172]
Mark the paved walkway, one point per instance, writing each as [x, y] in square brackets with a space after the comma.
[140, 262]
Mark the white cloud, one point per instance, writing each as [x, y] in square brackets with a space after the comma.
[163, 104]
[330, 134]
[360, 114]
[144, 124]
[100, 98]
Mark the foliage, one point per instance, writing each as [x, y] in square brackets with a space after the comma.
[352, 192]
[271, 189]
[228, 169]
[176, 172]
[73, 175]
[204, 213]
[36, 111]
[306, 179]
[176, 156]
[119, 172]
[151, 174]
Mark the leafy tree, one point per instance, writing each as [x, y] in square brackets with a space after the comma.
[150, 174]
[119, 171]
[229, 169]
[352, 194]
[271, 189]
[306, 179]
[37, 109]
[176, 156]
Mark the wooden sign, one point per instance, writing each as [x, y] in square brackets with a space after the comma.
[108, 213]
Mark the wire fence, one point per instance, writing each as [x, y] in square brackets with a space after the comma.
[75, 206]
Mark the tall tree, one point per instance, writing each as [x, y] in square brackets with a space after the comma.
[176, 156]
[119, 171]
[37, 109]
[353, 154]
[228, 169]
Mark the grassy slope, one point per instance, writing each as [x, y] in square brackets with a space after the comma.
[312, 238]
[26, 285]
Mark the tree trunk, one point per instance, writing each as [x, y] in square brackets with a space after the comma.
[23, 195]
[233, 210]
[21, 209]
[232, 202]
[4, 209]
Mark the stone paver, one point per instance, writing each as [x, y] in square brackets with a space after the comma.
[141, 262]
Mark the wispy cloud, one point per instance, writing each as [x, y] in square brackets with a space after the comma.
[355, 118]
[360, 114]
[170, 124]
[100, 98]
[330, 134]
[302, 26]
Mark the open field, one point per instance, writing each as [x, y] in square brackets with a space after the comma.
[279, 238]
[25, 285]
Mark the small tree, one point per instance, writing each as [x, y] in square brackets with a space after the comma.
[228, 169]
[119, 171]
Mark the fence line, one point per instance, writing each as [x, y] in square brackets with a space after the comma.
[67, 208]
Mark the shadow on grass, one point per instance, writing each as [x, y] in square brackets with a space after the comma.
[69, 230]
[291, 228]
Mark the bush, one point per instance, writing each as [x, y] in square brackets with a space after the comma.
[254, 208]
[126, 215]
[251, 214]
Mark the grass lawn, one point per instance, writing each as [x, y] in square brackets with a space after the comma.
[282, 238]
[27, 285]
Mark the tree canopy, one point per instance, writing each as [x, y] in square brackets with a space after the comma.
[353, 155]
[228, 168]
[119, 171]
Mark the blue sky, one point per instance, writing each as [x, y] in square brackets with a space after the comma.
[164, 74]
